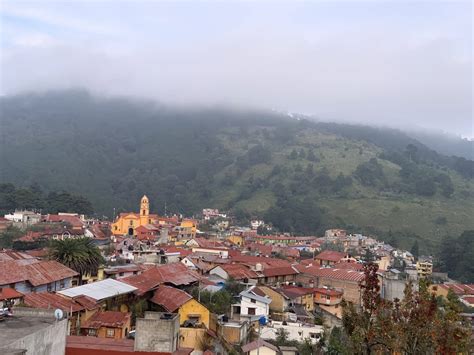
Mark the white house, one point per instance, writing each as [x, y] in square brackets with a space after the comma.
[25, 218]
[295, 331]
[253, 303]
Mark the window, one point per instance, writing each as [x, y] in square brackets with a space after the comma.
[49, 287]
[131, 223]
[91, 332]
[253, 301]
[120, 273]
[110, 333]
[115, 227]
[251, 311]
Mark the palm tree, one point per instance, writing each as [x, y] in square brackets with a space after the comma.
[79, 254]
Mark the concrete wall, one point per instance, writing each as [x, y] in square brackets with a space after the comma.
[156, 334]
[46, 341]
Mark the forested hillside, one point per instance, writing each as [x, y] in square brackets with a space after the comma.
[302, 176]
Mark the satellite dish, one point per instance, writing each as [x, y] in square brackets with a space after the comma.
[58, 314]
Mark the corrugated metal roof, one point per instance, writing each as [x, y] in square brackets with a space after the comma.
[100, 290]
[253, 296]
[47, 300]
[170, 298]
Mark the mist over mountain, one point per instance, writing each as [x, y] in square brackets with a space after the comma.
[300, 175]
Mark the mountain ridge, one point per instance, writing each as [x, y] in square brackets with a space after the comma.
[256, 164]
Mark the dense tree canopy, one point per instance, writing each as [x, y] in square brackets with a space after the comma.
[115, 150]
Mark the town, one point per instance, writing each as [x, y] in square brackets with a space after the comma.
[203, 285]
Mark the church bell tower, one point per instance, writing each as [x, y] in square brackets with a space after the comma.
[144, 207]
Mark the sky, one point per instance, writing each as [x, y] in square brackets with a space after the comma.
[399, 63]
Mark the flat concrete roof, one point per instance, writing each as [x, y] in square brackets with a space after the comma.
[17, 327]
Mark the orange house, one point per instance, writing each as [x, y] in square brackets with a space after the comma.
[108, 324]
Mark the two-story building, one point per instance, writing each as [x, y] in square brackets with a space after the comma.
[32, 275]
[253, 303]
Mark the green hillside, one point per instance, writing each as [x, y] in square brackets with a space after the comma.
[302, 176]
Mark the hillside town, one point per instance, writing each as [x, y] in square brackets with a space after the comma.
[201, 285]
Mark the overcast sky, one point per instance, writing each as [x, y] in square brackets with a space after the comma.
[402, 63]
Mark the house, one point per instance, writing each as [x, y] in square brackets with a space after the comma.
[278, 275]
[204, 243]
[118, 293]
[329, 257]
[23, 219]
[260, 347]
[295, 331]
[127, 222]
[236, 272]
[72, 220]
[290, 303]
[459, 289]
[424, 267]
[328, 303]
[121, 271]
[233, 332]
[32, 275]
[253, 302]
[78, 309]
[299, 296]
[173, 300]
[9, 297]
[187, 229]
[147, 232]
[346, 280]
[238, 240]
[175, 274]
[108, 324]
[220, 252]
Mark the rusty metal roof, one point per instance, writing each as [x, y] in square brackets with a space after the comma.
[170, 298]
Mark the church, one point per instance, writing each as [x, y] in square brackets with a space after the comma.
[127, 222]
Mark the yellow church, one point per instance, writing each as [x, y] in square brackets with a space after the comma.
[127, 222]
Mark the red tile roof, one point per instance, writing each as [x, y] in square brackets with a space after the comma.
[209, 243]
[254, 260]
[238, 271]
[468, 299]
[330, 255]
[48, 300]
[111, 319]
[9, 293]
[460, 289]
[279, 271]
[257, 344]
[349, 266]
[293, 291]
[176, 274]
[331, 273]
[327, 291]
[170, 298]
[72, 220]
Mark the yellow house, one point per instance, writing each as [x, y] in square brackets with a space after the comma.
[127, 222]
[424, 268]
[89, 278]
[236, 239]
[187, 229]
[174, 300]
[289, 296]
